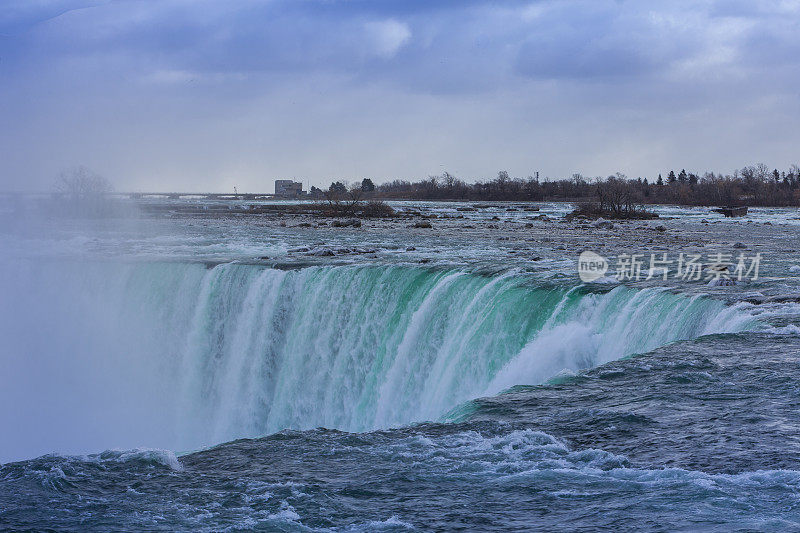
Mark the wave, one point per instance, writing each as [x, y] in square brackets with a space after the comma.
[188, 356]
[526, 469]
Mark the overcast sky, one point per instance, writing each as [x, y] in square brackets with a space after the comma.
[208, 95]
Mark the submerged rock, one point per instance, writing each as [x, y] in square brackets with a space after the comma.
[350, 222]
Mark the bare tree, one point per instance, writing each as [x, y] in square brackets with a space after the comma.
[343, 201]
[80, 182]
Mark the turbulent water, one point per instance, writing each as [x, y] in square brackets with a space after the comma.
[385, 395]
[243, 350]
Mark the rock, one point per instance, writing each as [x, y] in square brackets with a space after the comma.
[426, 260]
[660, 228]
[410, 249]
[528, 225]
[739, 245]
[422, 224]
[328, 252]
[264, 257]
[304, 225]
[350, 222]
[603, 224]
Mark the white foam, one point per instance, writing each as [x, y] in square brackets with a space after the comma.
[789, 329]
[178, 356]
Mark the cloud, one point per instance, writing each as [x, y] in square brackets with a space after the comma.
[387, 36]
[342, 87]
[17, 16]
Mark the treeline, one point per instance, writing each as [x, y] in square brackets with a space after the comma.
[752, 185]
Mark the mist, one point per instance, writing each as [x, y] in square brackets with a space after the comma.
[78, 364]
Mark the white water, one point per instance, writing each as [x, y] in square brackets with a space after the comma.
[179, 356]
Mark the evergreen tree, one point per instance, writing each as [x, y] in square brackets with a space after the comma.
[367, 185]
[660, 180]
[338, 186]
[671, 177]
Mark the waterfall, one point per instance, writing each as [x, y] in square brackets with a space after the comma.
[182, 356]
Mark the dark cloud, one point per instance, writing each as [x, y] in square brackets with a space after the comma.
[543, 40]
[472, 75]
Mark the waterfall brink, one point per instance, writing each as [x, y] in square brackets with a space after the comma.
[193, 356]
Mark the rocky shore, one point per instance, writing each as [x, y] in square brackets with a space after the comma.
[477, 234]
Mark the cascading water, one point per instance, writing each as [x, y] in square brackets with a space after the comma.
[188, 356]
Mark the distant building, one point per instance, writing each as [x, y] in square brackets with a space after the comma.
[288, 188]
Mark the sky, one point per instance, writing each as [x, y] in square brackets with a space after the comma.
[200, 95]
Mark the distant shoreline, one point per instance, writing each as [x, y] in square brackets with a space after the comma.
[264, 199]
